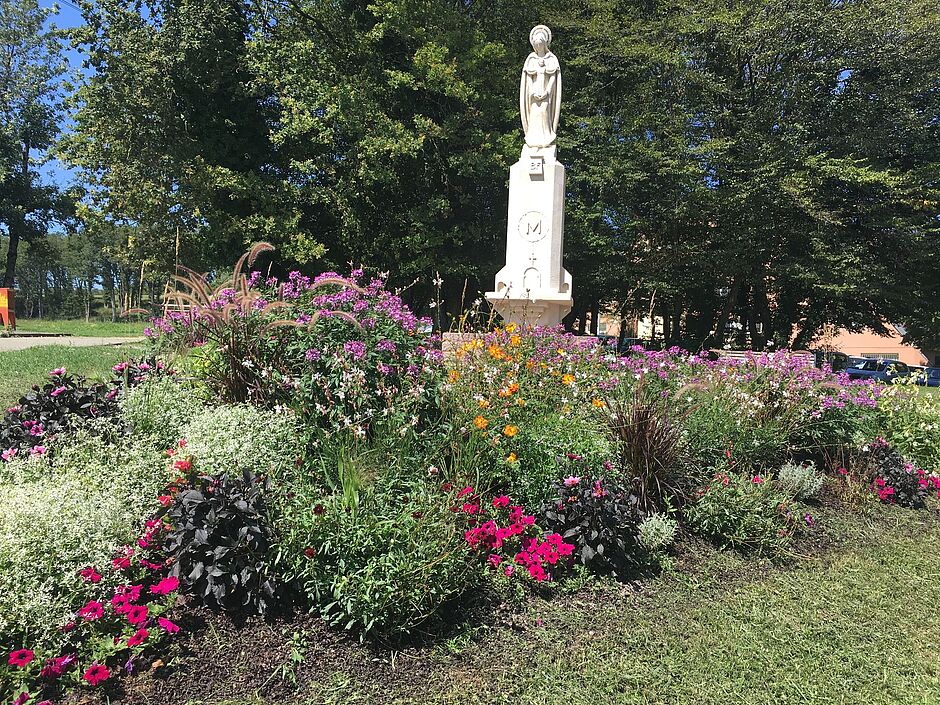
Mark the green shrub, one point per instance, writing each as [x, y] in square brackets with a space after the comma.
[799, 481]
[382, 560]
[657, 532]
[743, 512]
[62, 513]
[160, 408]
[910, 422]
[230, 439]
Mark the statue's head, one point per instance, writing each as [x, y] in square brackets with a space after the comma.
[540, 38]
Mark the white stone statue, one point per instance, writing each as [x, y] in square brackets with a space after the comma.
[534, 288]
[540, 90]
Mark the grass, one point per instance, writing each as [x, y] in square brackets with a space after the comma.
[80, 327]
[21, 368]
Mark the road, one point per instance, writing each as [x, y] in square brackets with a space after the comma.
[70, 341]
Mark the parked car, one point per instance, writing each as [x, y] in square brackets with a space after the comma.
[930, 377]
[880, 370]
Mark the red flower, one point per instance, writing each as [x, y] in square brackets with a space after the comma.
[139, 637]
[97, 673]
[182, 464]
[501, 501]
[137, 615]
[21, 657]
[122, 563]
[122, 604]
[91, 611]
[167, 625]
[318, 509]
[165, 586]
[447, 487]
[165, 500]
[90, 574]
[310, 552]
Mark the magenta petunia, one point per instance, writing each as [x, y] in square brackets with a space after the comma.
[90, 574]
[137, 615]
[165, 586]
[57, 372]
[91, 611]
[167, 625]
[21, 657]
[97, 673]
[139, 637]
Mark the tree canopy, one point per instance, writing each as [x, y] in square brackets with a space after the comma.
[775, 163]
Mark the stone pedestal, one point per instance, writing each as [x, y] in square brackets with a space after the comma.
[533, 288]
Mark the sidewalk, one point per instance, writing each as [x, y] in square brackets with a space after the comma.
[69, 341]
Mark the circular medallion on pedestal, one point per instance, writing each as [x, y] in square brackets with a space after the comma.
[533, 226]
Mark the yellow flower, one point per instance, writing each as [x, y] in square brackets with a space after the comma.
[599, 403]
[514, 340]
[511, 458]
[567, 379]
[480, 422]
[530, 364]
[511, 327]
[510, 431]
[484, 403]
[520, 401]
[453, 375]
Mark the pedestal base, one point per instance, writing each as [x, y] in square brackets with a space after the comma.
[536, 311]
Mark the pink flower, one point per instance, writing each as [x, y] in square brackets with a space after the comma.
[464, 492]
[808, 518]
[21, 699]
[757, 480]
[8, 454]
[57, 372]
[91, 611]
[508, 570]
[140, 636]
[38, 450]
[501, 501]
[165, 586]
[97, 673]
[57, 391]
[137, 615]
[471, 508]
[571, 481]
[167, 625]
[21, 657]
[494, 559]
[90, 574]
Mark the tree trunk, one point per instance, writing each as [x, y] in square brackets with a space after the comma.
[17, 225]
[595, 315]
[718, 332]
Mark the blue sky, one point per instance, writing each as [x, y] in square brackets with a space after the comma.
[67, 15]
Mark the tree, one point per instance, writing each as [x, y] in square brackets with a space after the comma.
[31, 68]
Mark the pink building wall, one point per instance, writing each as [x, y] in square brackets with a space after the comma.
[868, 344]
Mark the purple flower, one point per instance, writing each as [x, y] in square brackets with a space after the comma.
[386, 346]
[356, 348]
[312, 355]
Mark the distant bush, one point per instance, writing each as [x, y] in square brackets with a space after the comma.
[800, 481]
[910, 422]
[744, 512]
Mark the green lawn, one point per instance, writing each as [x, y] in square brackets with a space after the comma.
[21, 368]
[857, 625]
[80, 327]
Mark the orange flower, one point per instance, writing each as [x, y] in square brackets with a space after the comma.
[530, 364]
[567, 379]
[511, 458]
[599, 403]
[510, 431]
[495, 351]
[504, 392]
[453, 375]
[484, 404]
[480, 422]
[514, 387]
[514, 340]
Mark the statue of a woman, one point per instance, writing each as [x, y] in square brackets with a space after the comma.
[540, 90]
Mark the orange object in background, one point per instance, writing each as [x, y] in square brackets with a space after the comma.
[7, 309]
